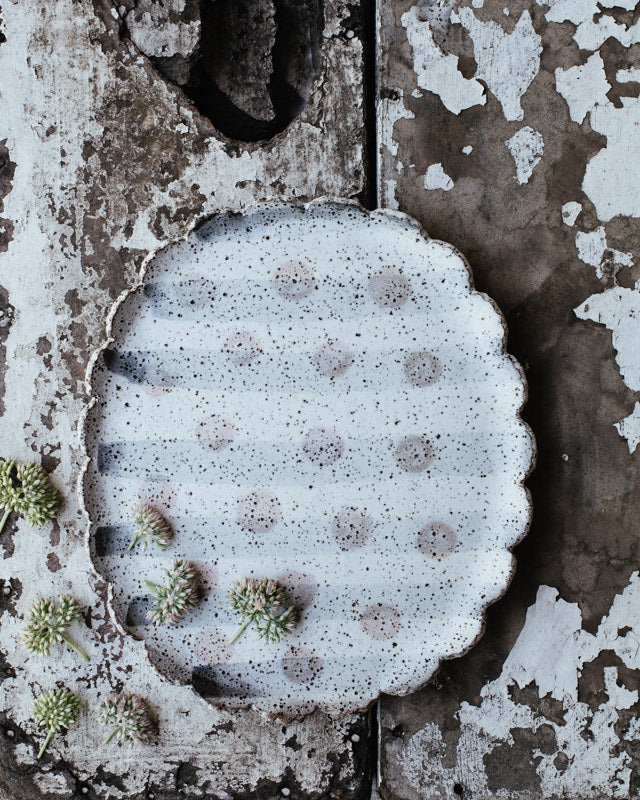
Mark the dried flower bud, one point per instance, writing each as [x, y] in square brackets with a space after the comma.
[55, 710]
[128, 716]
[27, 490]
[47, 624]
[150, 526]
[263, 603]
[177, 597]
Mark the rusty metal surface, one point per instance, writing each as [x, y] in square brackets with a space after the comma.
[104, 160]
[494, 141]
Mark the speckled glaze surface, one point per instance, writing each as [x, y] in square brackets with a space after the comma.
[317, 394]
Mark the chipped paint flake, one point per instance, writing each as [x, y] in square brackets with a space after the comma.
[612, 176]
[437, 71]
[391, 109]
[158, 29]
[526, 146]
[570, 212]
[593, 250]
[507, 62]
[593, 27]
[618, 309]
[436, 178]
[629, 428]
[631, 75]
[591, 740]
[583, 87]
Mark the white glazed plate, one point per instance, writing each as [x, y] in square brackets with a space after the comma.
[317, 394]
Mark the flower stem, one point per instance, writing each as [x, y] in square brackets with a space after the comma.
[136, 536]
[240, 631]
[110, 736]
[46, 742]
[5, 517]
[75, 647]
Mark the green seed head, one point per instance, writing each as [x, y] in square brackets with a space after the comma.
[178, 596]
[128, 716]
[263, 602]
[27, 490]
[150, 526]
[47, 623]
[56, 709]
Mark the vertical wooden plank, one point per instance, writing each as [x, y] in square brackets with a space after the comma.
[507, 130]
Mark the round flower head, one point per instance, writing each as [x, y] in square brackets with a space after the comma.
[128, 717]
[263, 603]
[47, 623]
[26, 489]
[150, 526]
[177, 597]
[55, 710]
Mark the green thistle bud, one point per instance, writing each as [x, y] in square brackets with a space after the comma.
[27, 490]
[263, 603]
[47, 624]
[179, 596]
[128, 716]
[150, 526]
[55, 710]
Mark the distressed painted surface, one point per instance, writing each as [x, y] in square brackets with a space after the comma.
[546, 705]
[103, 160]
[339, 414]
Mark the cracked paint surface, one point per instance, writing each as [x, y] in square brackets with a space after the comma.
[575, 742]
[105, 160]
[546, 705]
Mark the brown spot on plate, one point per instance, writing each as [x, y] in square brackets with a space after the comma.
[437, 539]
[242, 348]
[422, 368]
[381, 621]
[323, 446]
[216, 432]
[414, 453]
[258, 512]
[333, 359]
[301, 665]
[294, 280]
[352, 527]
[389, 288]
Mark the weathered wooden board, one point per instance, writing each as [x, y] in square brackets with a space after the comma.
[103, 159]
[511, 130]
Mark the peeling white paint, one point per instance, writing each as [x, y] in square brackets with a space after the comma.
[570, 212]
[389, 194]
[583, 87]
[619, 309]
[596, 762]
[631, 75]
[391, 109]
[436, 178]
[437, 71]
[507, 62]
[592, 30]
[612, 176]
[526, 147]
[153, 28]
[60, 74]
[467, 149]
[629, 428]
[592, 249]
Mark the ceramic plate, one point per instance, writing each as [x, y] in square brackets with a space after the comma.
[316, 394]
